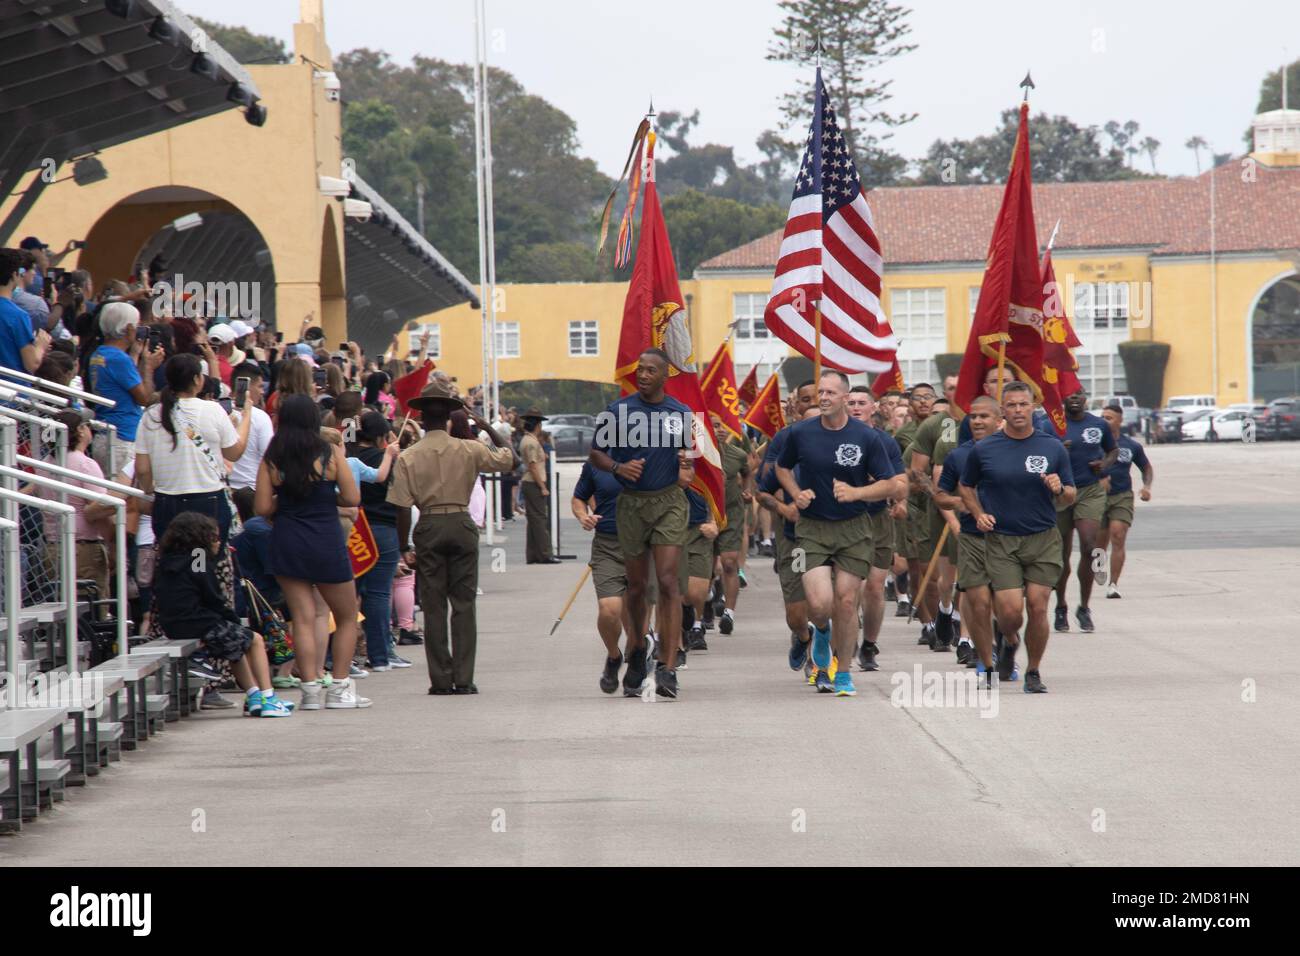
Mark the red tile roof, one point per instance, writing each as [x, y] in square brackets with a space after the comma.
[933, 224]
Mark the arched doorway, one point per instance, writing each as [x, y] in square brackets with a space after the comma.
[1275, 340]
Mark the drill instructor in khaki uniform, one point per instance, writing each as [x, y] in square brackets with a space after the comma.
[437, 475]
[537, 547]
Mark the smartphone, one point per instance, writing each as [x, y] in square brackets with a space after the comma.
[155, 338]
[78, 243]
[241, 391]
[320, 377]
[279, 338]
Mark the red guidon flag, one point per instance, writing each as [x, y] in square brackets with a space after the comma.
[1059, 363]
[748, 389]
[362, 549]
[765, 413]
[885, 381]
[653, 317]
[719, 388]
[409, 386]
[1009, 316]
[830, 258]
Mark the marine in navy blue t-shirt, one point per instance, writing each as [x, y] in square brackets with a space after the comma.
[950, 477]
[854, 454]
[767, 481]
[1087, 440]
[1130, 453]
[1042, 425]
[633, 428]
[604, 487]
[896, 459]
[1008, 476]
[698, 508]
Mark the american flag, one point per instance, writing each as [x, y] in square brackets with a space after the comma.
[830, 257]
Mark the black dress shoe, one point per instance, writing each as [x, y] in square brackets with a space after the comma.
[440, 691]
[552, 561]
[468, 689]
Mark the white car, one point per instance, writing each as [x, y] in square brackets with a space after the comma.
[1228, 426]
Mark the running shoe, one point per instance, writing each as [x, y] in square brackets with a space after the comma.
[695, 639]
[202, 670]
[727, 623]
[867, 656]
[665, 683]
[1113, 592]
[891, 593]
[821, 647]
[635, 674]
[744, 582]
[983, 676]
[1034, 683]
[681, 658]
[937, 640]
[798, 652]
[609, 676]
[904, 607]
[212, 700]
[944, 631]
[410, 637]
[844, 685]
[1007, 660]
[822, 681]
[1062, 622]
[356, 673]
[964, 652]
[276, 707]
[1084, 617]
[927, 637]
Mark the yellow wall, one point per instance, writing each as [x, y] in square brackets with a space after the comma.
[1173, 296]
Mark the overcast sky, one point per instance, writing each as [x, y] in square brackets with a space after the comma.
[1177, 67]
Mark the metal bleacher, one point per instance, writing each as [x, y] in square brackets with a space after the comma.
[64, 716]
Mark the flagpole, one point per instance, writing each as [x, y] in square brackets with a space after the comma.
[489, 404]
[817, 306]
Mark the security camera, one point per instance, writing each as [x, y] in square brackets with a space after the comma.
[358, 209]
[333, 88]
[335, 187]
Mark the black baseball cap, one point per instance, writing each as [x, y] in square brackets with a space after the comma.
[31, 242]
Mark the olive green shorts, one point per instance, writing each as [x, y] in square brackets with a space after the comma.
[972, 562]
[904, 542]
[791, 580]
[1120, 507]
[647, 518]
[882, 540]
[730, 537]
[918, 523]
[697, 557]
[607, 570]
[845, 544]
[936, 529]
[1014, 560]
[1089, 505]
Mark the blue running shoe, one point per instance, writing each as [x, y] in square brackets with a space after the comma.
[821, 648]
[275, 707]
[798, 652]
[844, 685]
[822, 681]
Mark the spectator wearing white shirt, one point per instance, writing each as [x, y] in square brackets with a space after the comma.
[180, 450]
[243, 474]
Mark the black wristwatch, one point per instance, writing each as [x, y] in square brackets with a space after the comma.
[614, 469]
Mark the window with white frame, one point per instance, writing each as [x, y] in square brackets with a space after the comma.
[747, 312]
[1101, 320]
[1102, 375]
[584, 337]
[1100, 305]
[973, 301]
[416, 336]
[919, 320]
[507, 340]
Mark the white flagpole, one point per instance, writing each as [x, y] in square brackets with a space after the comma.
[488, 403]
[487, 191]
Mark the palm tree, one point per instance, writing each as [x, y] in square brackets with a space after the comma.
[1130, 134]
[1196, 144]
[1149, 146]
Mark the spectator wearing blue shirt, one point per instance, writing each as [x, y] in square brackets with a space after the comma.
[115, 372]
[595, 505]
[21, 348]
[1092, 449]
[1010, 484]
[642, 440]
[843, 464]
[1119, 495]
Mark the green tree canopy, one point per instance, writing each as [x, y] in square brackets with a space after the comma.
[245, 45]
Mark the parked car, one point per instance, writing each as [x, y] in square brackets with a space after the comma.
[571, 441]
[1133, 413]
[1171, 421]
[1280, 419]
[571, 419]
[1220, 426]
[1191, 401]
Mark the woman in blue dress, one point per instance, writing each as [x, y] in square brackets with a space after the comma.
[302, 482]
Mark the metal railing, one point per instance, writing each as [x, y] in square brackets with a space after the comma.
[58, 389]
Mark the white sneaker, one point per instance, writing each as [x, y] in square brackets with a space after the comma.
[342, 695]
[1113, 592]
[312, 695]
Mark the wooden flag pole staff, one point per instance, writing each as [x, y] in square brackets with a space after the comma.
[586, 573]
[925, 580]
[817, 344]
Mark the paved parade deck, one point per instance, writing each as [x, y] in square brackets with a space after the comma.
[1143, 752]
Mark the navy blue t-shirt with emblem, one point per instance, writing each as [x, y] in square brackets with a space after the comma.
[604, 487]
[767, 476]
[1008, 475]
[854, 454]
[1089, 440]
[949, 479]
[634, 428]
[1130, 453]
[896, 459]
